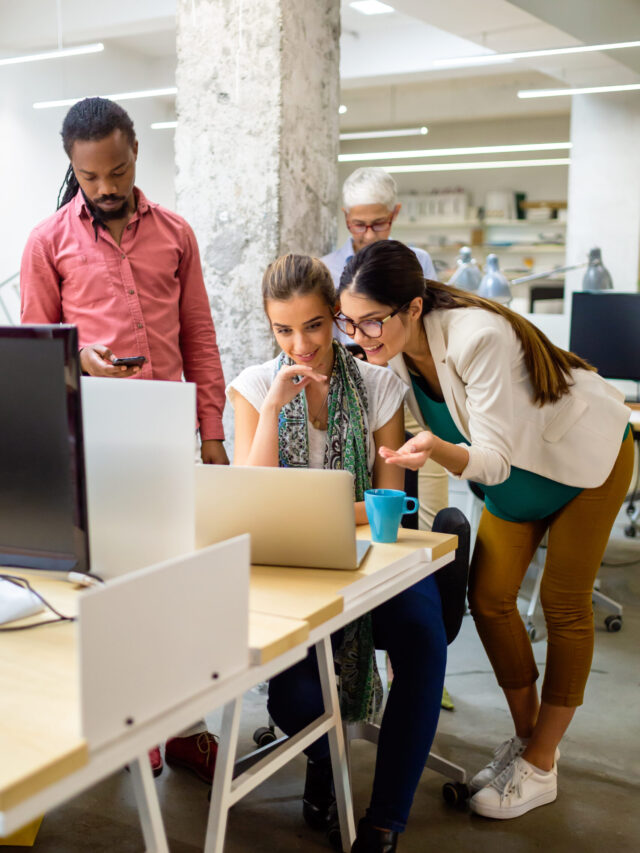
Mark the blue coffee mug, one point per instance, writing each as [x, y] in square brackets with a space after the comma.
[385, 508]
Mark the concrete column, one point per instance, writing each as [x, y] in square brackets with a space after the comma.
[604, 186]
[256, 149]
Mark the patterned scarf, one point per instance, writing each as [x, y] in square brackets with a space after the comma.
[346, 449]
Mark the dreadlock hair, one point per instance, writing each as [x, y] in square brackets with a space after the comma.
[91, 118]
[390, 273]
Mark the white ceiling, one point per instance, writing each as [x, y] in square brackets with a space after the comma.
[383, 52]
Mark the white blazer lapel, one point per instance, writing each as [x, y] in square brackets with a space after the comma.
[437, 345]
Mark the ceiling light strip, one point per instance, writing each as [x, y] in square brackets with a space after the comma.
[163, 125]
[584, 90]
[60, 53]
[488, 58]
[454, 152]
[383, 134]
[119, 96]
[372, 7]
[467, 167]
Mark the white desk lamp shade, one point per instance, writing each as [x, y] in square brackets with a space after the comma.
[494, 284]
[467, 276]
[597, 276]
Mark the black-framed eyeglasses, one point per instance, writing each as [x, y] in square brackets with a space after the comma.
[369, 328]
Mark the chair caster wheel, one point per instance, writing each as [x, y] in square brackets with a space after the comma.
[613, 623]
[455, 794]
[263, 736]
[334, 837]
[531, 631]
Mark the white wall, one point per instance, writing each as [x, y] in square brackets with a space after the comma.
[604, 186]
[32, 160]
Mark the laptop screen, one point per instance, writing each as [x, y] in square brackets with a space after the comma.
[43, 515]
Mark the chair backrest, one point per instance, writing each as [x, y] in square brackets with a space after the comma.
[410, 522]
[452, 579]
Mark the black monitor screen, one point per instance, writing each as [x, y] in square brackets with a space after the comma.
[605, 330]
[43, 516]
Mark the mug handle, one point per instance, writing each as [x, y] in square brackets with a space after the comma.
[410, 511]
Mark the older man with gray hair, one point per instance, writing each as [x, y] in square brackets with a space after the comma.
[370, 197]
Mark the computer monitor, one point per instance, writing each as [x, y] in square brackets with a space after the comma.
[605, 330]
[43, 514]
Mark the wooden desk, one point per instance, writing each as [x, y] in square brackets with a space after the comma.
[44, 758]
[317, 595]
[271, 636]
[40, 740]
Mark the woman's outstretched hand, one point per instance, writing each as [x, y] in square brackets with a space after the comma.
[413, 454]
[285, 387]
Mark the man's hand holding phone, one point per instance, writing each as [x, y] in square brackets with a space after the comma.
[98, 360]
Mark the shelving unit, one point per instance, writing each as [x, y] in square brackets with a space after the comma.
[513, 240]
[510, 237]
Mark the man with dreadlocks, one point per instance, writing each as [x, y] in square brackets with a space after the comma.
[124, 270]
[127, 273]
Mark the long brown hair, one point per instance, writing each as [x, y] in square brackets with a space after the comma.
[296, 275]
[389, 272]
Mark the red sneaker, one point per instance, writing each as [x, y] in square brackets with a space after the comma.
[196, 753]
[155, 759]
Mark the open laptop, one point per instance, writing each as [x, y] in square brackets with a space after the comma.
[296, 516]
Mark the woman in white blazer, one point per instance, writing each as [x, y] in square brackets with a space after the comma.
[548, 441]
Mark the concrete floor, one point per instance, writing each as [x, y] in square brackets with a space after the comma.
[599, 772]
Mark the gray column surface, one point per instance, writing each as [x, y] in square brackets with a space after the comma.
[256, 150]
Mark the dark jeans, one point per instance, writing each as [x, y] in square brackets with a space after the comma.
[410, 628]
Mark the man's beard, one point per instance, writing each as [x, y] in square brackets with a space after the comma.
[101, 216]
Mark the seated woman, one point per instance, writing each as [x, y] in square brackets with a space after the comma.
[337, 415]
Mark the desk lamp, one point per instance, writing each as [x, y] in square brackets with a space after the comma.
[494, 284]
[596, 277]
[467, 275]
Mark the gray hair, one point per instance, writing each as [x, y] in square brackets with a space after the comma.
[370, 185]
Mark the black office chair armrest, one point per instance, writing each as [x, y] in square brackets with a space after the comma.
[410, 522]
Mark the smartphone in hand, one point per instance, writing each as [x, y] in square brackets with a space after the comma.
[130, 361]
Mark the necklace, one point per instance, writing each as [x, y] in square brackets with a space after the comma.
[316, 423]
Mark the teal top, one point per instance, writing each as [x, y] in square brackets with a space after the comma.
[523, 496]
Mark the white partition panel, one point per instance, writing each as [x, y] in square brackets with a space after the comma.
[139, 450]
[159, 636]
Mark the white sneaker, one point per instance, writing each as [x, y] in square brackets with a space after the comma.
[503, 755]
[518, 789]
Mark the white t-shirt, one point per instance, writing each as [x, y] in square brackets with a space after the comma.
[385, 395]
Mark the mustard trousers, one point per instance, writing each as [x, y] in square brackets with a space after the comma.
[578, 535]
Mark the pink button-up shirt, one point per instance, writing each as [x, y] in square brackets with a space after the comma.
[143, 297]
